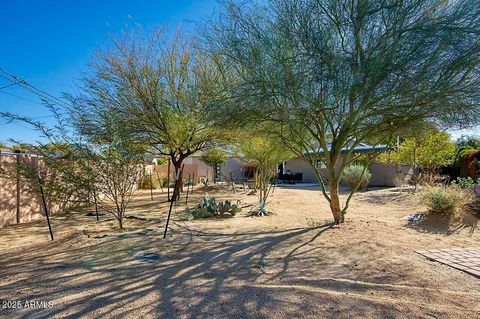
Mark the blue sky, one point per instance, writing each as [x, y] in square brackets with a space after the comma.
[48, 43]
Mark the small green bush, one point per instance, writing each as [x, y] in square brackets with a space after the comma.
[354, 174]
[465, 182]
[157, 182]
[445, 200]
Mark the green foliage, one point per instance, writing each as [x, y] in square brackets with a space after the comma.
[208, 207]
[466, 182]
[469, 140]
[445, 200]
[160, 88]
[156, 181]
[356, 176]
[264, 153]
[214, 156]
[428, 152]
[328, 75]
[4, 146]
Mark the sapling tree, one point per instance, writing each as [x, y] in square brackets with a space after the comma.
[116, 178]
[52, 164]
[214, 157]
[111, 163]
[99, 168]
[328, 75]
[161, 89]
[264, 153]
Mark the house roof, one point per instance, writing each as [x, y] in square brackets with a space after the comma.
[360, 148]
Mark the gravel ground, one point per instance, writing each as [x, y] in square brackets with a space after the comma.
[293, 264]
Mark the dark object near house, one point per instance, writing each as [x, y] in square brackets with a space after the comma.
[470, 165]
[291, 178]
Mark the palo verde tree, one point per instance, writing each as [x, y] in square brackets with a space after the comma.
[111, 162]
[331, 74]
[161, 89]
[98, 167]
[264, 153]
[214, 157]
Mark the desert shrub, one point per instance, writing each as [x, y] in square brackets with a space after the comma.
[356, 174]
[157, 182]
[446, 200]
[466, 182]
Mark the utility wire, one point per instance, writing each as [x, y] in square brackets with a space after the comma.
[18, 97]
[40, 93]
[6, 86]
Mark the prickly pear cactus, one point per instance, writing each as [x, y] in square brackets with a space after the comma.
[208, 207]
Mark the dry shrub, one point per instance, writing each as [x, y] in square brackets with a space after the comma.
[446, 200]
[357, 175]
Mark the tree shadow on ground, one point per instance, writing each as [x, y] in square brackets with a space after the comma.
[447, 225]
[385, 197]
[99, 276]
[199, 273]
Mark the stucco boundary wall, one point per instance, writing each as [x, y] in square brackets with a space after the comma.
[18, 202]
[191, 166]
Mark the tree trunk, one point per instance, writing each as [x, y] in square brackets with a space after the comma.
[120, 221]
[214, 167]
[178, 168]
[335, 204]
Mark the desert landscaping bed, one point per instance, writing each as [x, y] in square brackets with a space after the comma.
[294, 263]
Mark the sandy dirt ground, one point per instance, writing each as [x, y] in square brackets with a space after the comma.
[293, 264]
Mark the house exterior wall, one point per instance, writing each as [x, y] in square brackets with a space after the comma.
[234, 165]
[298, 165]
[382, 174]
[193, 166]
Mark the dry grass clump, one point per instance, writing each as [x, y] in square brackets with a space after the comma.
[447, 200]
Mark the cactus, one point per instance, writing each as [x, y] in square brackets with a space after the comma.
[208, 207]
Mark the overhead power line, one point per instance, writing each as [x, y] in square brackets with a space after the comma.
[6, 86]
[16, 80]
[18, 97]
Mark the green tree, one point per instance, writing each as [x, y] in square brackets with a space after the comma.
[329, 75]
[4, 146]
[214, 157]
[101, 169]
[471, 141]
[264, 153]
[425, 152]
[163, 91]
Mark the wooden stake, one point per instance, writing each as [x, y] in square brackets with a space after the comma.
[95, 200]
[151, 186]
[18, 188]
[168, 181]
[171, 203]
[233, 183]
[45, 206]
[188, 188]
